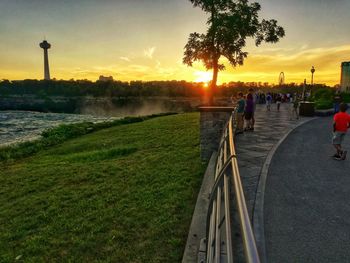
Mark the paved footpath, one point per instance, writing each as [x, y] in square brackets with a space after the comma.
[306, 206]
[253, 147]
[254, 152]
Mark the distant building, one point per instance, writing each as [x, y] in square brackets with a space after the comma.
[103, 78]
[345, 77]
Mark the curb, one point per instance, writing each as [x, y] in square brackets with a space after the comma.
[258, 211]
[324, 113]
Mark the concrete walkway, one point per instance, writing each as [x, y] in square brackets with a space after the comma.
[253, 147]
[262, 173]
[254, 152]
[306, 206]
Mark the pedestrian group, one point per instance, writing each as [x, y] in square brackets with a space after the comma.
[246, 105]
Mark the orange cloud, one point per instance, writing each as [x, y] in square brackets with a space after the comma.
[296, 66]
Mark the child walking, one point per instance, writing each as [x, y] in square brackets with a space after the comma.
[340, 127]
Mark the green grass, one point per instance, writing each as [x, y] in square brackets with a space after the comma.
[122, 194]
[64, 132]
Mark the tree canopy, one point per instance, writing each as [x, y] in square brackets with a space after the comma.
[230, 23]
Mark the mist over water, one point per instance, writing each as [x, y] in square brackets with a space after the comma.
[107, 106]
[109, 109]
[19, 126]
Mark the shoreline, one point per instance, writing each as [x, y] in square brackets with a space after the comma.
[23, 126]
[55, 135]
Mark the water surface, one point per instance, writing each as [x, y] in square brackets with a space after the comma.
[19, 126]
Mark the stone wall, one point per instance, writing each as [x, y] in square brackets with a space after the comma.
[212, 122]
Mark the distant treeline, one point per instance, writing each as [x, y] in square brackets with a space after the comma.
[78, 88]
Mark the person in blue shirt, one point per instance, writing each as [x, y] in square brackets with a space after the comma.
[240, 113]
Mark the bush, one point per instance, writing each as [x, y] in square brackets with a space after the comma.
[323, 104]
[323, 99]
[323, 95]
[346, 97]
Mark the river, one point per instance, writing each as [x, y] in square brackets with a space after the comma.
[19, 126]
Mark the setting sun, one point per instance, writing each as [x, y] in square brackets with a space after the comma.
[203, 76]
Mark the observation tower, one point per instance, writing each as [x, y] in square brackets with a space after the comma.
[45, 45]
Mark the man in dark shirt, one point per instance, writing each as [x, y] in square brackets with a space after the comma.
[255, 98]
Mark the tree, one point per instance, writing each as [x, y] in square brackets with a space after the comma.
[230, 23]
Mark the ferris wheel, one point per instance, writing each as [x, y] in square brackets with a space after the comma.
[281, 79]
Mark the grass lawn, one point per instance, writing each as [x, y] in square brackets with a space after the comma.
[122, 194]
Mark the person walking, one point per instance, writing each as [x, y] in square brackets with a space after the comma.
[341, 122]
[248, 112]
[268, 101]
[337, 99]
[240, 105]
[255, 99]
[278, 101]
[294, 109]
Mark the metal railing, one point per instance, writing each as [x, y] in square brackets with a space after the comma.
[219, 235]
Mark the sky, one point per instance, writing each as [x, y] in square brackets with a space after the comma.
[144, 40]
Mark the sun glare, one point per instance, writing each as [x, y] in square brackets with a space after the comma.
[202, 76]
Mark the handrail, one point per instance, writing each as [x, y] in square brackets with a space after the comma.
[219, 226]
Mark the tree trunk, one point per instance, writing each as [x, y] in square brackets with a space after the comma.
[215, 60]
[213, 83]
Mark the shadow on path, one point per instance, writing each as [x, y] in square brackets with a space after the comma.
[306, 207]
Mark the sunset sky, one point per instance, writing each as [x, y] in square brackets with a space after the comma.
[144, 40]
